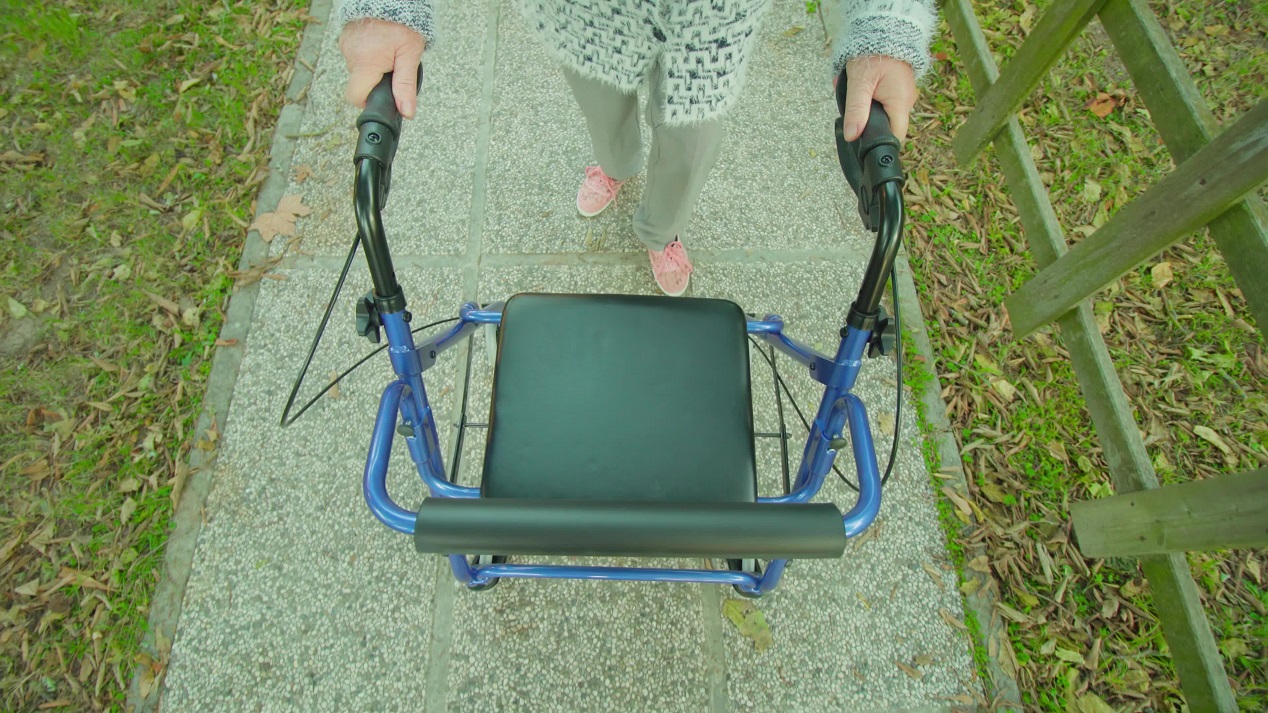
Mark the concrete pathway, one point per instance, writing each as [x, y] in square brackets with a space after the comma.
[296, 598]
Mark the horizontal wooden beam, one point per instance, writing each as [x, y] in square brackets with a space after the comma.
[1202, 188]
[1186, 125]
[1212, 514]
[1058, 26]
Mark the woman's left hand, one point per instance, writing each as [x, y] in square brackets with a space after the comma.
[887, 80]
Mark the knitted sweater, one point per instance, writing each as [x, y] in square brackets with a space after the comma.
[701, 47]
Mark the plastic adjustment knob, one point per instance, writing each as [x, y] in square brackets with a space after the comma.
[884, 336]
[368, 322]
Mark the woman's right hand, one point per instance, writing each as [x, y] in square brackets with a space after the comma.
[372, 48]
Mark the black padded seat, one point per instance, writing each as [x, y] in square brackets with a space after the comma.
[605, 397]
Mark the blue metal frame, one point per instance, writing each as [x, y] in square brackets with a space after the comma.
[407, 397]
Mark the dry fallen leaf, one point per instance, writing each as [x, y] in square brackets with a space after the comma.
[1161, 274]
[934, 574]
[885, 422]
[1212, 437]
[303, 172]
[948, 618]
[993, 492]
[1005, 389]
[1102, 105]
[282, 220]
[126, 510]
[1091, 703]
[909, 670]
[958, 500]
[749, 621]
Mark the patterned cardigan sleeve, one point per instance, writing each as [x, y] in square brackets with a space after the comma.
[414, 14]
[901, 29]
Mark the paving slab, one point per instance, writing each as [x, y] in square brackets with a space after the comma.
[297, 599]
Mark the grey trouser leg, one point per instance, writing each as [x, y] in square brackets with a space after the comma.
[677, 167]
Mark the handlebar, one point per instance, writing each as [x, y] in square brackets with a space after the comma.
[378, 133]
[379, 125]
[875, 173]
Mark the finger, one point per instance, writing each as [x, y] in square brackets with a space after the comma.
[899, 118]
[361, 80]
[858, 102]
[405, 83]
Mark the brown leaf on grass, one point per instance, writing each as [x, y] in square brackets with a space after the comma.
[281, 221]
[178, 481]
[1093, 659]
[1213, 438]
[1102, 105]
[126, 510]
[165, 303]
[958, 500]
[82, 580]
[1090, 703]
[993, 492]
[1161, 274]
[1005, 389]
[23, 158]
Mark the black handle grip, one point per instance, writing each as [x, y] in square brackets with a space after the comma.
[380, 106]
[876, 132]
[871, 159]
[379, 124]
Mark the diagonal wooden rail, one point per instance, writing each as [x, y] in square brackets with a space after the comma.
[1141, 40]
[1186, 125]
[1203, 187]
[1058, 27]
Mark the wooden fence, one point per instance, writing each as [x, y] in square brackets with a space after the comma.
[1213, 184]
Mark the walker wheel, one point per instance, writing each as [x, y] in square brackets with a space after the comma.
[483, 560]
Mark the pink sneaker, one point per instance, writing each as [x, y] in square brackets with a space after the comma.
[597, 192]
[671, 268]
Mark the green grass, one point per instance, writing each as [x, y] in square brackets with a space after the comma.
[101, 385]
[918, 378]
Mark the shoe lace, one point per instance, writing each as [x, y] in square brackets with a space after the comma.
[599, 182]
[676, 254]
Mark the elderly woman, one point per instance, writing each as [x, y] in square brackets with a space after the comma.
[692, 53]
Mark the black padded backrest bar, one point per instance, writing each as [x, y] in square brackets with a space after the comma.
[628, 529]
